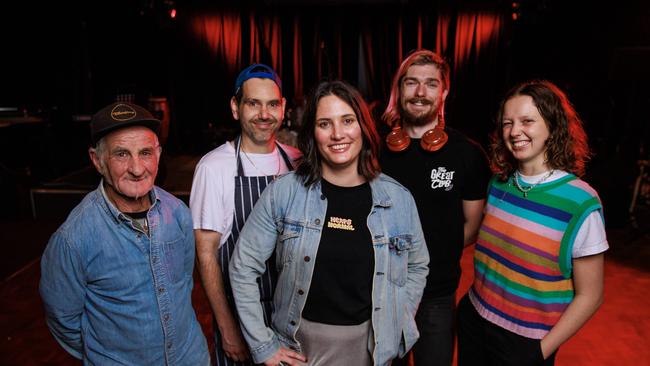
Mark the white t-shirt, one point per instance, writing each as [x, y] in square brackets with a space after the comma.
[212, 199]
[591, 238]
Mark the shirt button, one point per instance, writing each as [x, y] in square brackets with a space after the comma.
[307, 259]
[155, 259]
[301, 292]
[161, 290]
[293, 322]
[322, 196]
[169, 345]
[317, 221]
[166, 317]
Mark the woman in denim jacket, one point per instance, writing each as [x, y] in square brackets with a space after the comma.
[349, 248]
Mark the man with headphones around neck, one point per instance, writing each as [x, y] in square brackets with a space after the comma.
[447, 173]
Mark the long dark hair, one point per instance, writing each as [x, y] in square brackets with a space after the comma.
[566, 146]
[309, 167]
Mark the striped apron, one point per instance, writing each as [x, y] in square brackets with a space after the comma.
[247, 191]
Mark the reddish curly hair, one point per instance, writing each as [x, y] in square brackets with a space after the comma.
[566, 148]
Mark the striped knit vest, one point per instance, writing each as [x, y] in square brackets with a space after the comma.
[522, 259]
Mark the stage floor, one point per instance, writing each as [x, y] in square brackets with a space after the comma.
[617, 335]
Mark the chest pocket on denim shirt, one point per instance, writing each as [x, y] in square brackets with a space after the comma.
[174, 259]
[288, 241]
[398, 247]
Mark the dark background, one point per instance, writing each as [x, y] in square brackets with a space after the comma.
[61, 63]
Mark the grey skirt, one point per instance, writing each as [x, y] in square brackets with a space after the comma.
[326, 345]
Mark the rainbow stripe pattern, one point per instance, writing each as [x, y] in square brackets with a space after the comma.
[522, 259]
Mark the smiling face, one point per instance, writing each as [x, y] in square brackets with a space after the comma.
[525, 132]
[128, 159]
[422, 94]
[338, 136]
[260, 113]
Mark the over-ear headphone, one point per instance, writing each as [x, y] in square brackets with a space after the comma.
[432, 140]
[397, 139]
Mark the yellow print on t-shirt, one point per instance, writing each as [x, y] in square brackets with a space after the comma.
[339, 223]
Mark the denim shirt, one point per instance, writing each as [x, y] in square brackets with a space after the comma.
[289, 218]
[115, 296]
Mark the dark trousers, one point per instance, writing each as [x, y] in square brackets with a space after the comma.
[435, 321]
[482, 343]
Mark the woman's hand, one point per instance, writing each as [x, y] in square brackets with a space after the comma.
[286, 357]
[588, 285]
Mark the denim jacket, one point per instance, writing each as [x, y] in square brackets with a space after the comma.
[289, 218]
[114, 295]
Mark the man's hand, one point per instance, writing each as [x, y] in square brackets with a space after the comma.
[286, 357]
[232, 341]
[207, 244]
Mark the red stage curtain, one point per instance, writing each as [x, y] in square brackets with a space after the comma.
[442, 33]
[298, 89]
[354, 47]
[266, 34]
[222, 33]
[474, 31]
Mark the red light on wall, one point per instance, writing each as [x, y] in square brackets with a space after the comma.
[172, 13]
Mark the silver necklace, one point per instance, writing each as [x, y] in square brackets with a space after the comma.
[525, 190]
[255, 166]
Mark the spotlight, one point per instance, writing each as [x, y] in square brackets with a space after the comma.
[516, 10]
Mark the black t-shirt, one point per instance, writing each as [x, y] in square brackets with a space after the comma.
[439, 182]
[341, 287]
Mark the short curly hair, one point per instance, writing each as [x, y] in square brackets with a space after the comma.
[566, 148]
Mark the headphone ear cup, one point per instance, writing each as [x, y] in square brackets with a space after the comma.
[434, 139]
[397, 140]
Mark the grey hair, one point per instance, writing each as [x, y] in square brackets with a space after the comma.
[100, 147]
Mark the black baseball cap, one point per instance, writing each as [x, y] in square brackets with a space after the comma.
[119, 115]
[260, 71]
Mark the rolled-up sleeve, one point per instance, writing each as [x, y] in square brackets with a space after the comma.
[62, 288]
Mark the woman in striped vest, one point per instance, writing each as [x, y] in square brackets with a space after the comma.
[538, 261]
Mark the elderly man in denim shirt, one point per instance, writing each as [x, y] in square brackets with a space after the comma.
[116, 277]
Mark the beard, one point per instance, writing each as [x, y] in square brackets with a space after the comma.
[257, 135]
[420, 119]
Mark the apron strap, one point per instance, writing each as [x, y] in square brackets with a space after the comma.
[285, 157]
[240, 168]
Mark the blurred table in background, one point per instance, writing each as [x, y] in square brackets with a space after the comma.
[8, 121]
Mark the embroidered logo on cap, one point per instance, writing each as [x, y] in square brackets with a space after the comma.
[122, 112]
